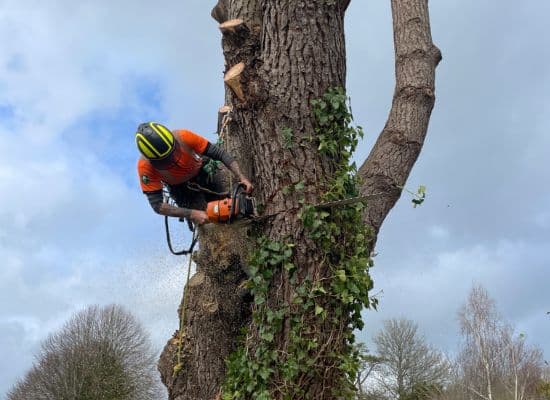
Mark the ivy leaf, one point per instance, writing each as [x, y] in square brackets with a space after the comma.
[320, 289]
[341, 274]
[318, 310]
[267, 336]
[264, 373]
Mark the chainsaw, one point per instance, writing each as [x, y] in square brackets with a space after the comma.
[233, 208]
[241, 208]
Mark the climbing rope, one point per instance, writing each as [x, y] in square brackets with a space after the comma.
[223, 133]
[169, 240]
[195, 187]
[178, 366]
[224, 129]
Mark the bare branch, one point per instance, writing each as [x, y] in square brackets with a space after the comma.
[398, 146]
[345, 4]
[99, 353]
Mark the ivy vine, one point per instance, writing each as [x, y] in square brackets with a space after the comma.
[259, 369]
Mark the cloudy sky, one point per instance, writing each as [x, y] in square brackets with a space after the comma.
[77, 77]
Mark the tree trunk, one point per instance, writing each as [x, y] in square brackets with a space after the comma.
[293, 52]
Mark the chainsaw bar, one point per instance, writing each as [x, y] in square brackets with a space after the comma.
[345, 202]
[328, 204]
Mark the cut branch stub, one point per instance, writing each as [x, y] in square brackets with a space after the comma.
[225, 109]
[233, 80]
[233, 26]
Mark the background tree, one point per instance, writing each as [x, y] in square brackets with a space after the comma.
[308, 268]
[100, 353]
[521, 365]
[369, 364]
[410, 368]
[480, 326]
[494, 362]
[543, 386]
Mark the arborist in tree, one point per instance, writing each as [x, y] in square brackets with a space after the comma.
[176, 159]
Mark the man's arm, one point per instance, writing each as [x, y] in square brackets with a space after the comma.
[162, 208]
[217, 153]
[234, 167]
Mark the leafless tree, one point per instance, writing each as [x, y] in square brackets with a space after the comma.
[495, 362]
[100, 353]
[408, 363]
[369, 364]
[543, 386]
[521, 365]
[480, 324]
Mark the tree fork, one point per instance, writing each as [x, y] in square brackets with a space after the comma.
[293, 52]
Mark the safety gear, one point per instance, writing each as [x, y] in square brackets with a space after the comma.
[155, 141]
[227, 210]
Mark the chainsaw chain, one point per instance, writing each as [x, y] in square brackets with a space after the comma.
[328, 204]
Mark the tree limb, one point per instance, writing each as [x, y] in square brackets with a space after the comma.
[220, 12]
[345, 4]
[398, 146]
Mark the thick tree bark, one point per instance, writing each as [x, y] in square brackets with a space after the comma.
[293, 51]
[398, 146]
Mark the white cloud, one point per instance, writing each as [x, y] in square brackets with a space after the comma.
[431, 290]
[73, 230]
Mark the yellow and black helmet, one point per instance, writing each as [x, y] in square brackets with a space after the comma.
[154, 141]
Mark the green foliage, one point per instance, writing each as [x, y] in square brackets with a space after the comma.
[418, 197]
[340, 233]
[249, 373]
[211, 166]
[337, 137]
[543, 390]
[333, 300]
[288, 137]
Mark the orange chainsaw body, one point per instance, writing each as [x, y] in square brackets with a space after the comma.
[230, 209]
[219, 211]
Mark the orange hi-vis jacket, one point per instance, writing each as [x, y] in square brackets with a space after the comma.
[186, 163]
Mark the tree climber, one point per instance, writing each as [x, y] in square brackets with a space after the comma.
[175, 159]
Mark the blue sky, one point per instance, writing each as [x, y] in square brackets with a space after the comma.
[76, 79]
